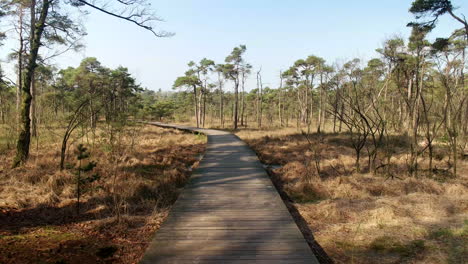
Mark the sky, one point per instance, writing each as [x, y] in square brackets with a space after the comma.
[276, 34]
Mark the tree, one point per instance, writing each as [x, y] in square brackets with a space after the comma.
[233, 70]
[435, 9]
[5, 93]
[82, 172]
[325, 74]
[219, 68]
[133, 11]
[190, 80]
[24, 138]
[302, 75]
[246, 71]
[163, 108]
[202, 70]
[259, 97]
[447, 57]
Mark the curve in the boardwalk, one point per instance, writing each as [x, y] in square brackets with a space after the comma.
[229, 212]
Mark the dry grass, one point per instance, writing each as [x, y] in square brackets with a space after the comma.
[141, 170]
[363, 218]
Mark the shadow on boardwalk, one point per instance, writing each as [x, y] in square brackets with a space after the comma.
[230, 212]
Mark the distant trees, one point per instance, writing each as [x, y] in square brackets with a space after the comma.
[197, 79]
[6, 92]
[91, 91]
[449, 60]
[449, 57]
[306, 75]
[415, 88]
[49, 23]
[219, 68]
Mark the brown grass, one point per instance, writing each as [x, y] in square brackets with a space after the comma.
[141, 171]
[364, 218]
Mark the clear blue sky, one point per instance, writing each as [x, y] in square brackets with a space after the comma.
[276, 34]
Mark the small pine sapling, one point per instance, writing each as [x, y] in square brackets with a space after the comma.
[84, 175]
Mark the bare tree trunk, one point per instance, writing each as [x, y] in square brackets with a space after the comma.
[200, 106]
[259, 99]
[429, 136]
[319, 118]
[307, 107]
[243, 98]
[33, 82]
[341, 118]
[280, 114]
[358, 161]
[204, 106]
[335, 110]
[33, 109]
[455, 155]
[2, 111]
[414, 128]
[24, 139]
[310, 107]
[196, 104]
[20, 67]
[221, 103]
[236, 101]
[464, 114]
[410, 108]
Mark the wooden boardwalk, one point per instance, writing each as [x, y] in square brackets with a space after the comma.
[230, 212]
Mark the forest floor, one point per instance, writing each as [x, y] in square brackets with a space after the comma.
[141, 169]
[364, 218]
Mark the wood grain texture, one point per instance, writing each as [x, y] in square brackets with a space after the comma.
[229, 212]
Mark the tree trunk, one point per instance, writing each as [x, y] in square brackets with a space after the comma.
[33, 84]
[63, 151]
[243, 99]
[260, 103]
[196, 104]
[24, 138]
[236, 101]
[221, 103]
[455, 156]
[280, 114]
[358, 161]
[2, 111]
[204, 105]
[259, 99]
[200, 106]
[33, 108]
[20, 68]
[340, 126]
[319, 118]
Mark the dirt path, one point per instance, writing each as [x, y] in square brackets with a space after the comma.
[230, 212]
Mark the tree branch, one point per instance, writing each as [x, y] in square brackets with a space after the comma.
[130, 19]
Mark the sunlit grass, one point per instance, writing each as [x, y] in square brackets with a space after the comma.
[365, 218]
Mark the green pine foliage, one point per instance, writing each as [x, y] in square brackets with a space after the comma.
[84, 174]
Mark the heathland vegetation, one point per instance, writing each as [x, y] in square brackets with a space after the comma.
[372, 154]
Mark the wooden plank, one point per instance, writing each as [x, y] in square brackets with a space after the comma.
[229, 251]
[195, 245]
[175, 260]
[239, 224]
[227, 217]
[285, 258]
[268, 232]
